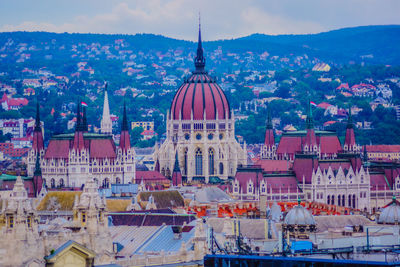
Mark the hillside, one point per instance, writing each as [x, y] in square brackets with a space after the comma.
[371, 44]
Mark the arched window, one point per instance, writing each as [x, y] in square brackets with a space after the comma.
[262, 188]
[362, 179]
[221, 168]
[211, 161]
[339, 200]
[354, 202]
[199, 162]
[53, 183]
[61, 182]
[105, 183]
[333, 199]
[343, 200]
[329, 200]
[319, 180]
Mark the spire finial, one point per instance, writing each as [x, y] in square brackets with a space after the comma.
[78, 117]
[350, 120]
[84, 120]
[124, 126]
[309, 120]
[37, 121]
[199, 60]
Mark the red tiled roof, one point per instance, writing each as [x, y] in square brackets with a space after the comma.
[384, 148]
[343, 86]
[304, 167]
[102, 148]
[284, 184]
[378, 182]
[350, 138]
[324, 105]
[329, 144]
[269, 137]
[150, 176]
[58, 149]
[269, 165]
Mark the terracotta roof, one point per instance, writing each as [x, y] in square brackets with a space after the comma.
[324, 105]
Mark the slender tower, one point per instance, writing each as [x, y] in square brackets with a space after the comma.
[106, 124]
[37, 145]
[350, 140]
[310, 142]
[124, 142]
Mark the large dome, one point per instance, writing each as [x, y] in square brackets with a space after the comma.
[200, 94]
[300, 216]
[390, 214]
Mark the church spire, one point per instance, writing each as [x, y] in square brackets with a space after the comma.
[84, 120]
[199, 60]
[269, 140]
[124, 126]
[124, 141]
[309, 120]
[37, 176]
[78, 137]
[350, 120]
[106, 124]
[37, 120]
[350, 138]
[37, 133]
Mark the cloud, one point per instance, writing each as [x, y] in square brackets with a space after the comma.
[220, 19]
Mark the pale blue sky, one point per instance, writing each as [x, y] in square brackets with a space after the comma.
[178, 18]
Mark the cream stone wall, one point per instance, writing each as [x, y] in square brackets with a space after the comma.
[189, 138]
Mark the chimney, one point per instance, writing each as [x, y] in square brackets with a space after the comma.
[177, 230]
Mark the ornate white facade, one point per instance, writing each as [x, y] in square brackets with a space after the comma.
[205, 149]
[200, 130]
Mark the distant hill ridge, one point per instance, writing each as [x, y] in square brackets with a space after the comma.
[380, 43]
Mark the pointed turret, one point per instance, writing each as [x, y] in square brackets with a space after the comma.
[269, 133]
[78, 138]
[350, 139]
[37, 177]
[106, 123]
[124, 142]
[199, 60]
[311, 140]
[176, 174]
[85, 126]
[38, 144]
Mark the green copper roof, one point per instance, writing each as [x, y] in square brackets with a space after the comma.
[70, 136]
[304, 133]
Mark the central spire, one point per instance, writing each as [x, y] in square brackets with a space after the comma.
[309, 120]
[199, 60]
